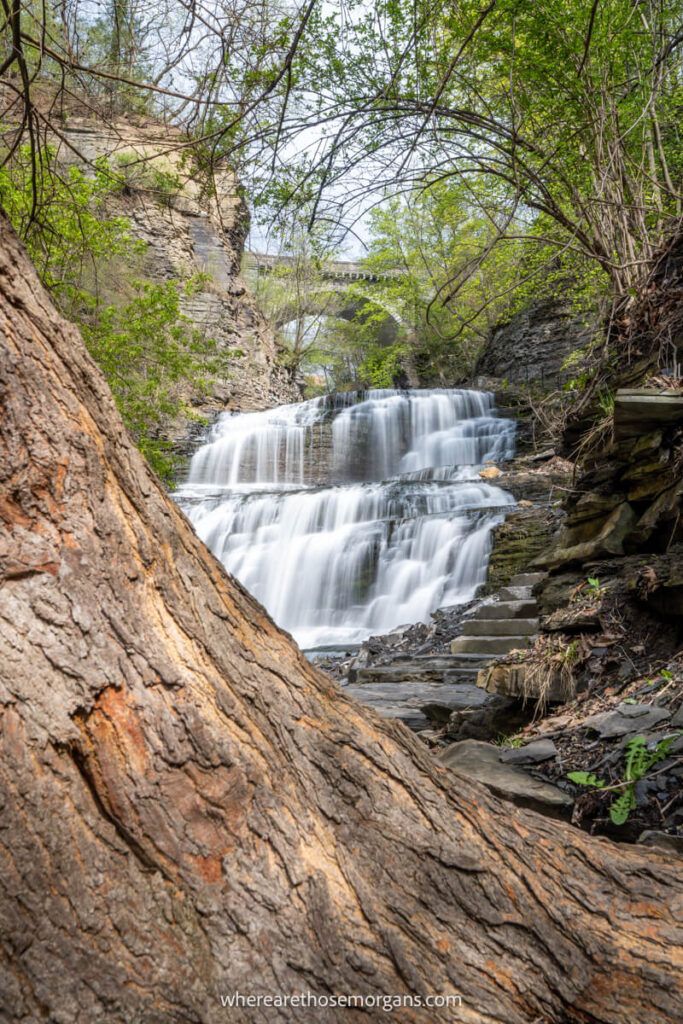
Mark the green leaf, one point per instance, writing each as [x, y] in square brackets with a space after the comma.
[622, 807]
[638, 759]
[586, 779]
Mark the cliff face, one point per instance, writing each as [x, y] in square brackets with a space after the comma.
[191, 226]
[533, 345]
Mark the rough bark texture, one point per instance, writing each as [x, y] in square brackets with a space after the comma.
[189, 809]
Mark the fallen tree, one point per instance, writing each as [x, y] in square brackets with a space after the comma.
[189, 810]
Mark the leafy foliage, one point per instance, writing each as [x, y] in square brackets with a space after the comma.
[639, 759]
[69, 235]
[586, 779]
[515, 150]
[147, 348]
[134, 328]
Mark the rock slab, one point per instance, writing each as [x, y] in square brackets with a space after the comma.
[481, 762]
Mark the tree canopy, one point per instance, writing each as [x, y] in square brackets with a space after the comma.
[550, 130]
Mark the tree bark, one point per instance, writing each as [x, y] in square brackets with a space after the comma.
[189, 809]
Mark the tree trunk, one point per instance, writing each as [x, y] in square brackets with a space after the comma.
[189, 810]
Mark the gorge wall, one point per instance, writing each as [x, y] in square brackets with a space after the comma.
[533, 345]
[192, 224]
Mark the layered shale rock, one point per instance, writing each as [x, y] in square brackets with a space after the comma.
[194, 226]
[629, 498]
[531, 348]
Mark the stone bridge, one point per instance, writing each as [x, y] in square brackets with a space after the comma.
[342, 272]
[330, 297]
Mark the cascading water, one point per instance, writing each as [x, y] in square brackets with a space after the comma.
[400, 527]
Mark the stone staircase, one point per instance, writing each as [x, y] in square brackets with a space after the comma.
[403, 686]
[502, 625]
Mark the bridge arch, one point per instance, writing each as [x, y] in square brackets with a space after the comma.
[342, 305]
[340, 295]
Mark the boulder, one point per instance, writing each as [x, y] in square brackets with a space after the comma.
[481, 762]
[589, 508]
[649, 486]
[665, 508]
[663, 840]
[641, 468]
[642, 410]
[499, 716]
[626, 719]
[633, 448]
[531, 753]
[609, 541]
[437, 714]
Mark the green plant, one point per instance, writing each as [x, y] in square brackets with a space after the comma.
[580, 382]
[69, 234]
[147, 349]
[381, 365]
[549, 667]
[606, 403]
[570, 655]
[638, 762]
[509, 741]
[595, 588]
[131, 173]
[135, 329]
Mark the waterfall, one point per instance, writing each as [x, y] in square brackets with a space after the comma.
[352, 514]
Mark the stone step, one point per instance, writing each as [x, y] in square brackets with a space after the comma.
[507, 610]
[444, 661]
[500, 627]
[527, 579]
[638, 411]
[405, 700]
[410, 671]
[515, 593]
[487, 647]
[464, 657]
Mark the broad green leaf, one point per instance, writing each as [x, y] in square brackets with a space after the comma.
[586, 779]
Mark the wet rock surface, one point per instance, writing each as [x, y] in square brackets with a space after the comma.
[418, 703]
[539, 484]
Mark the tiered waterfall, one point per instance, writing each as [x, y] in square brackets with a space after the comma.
[351, 514]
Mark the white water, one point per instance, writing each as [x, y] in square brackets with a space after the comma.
[403, 530]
